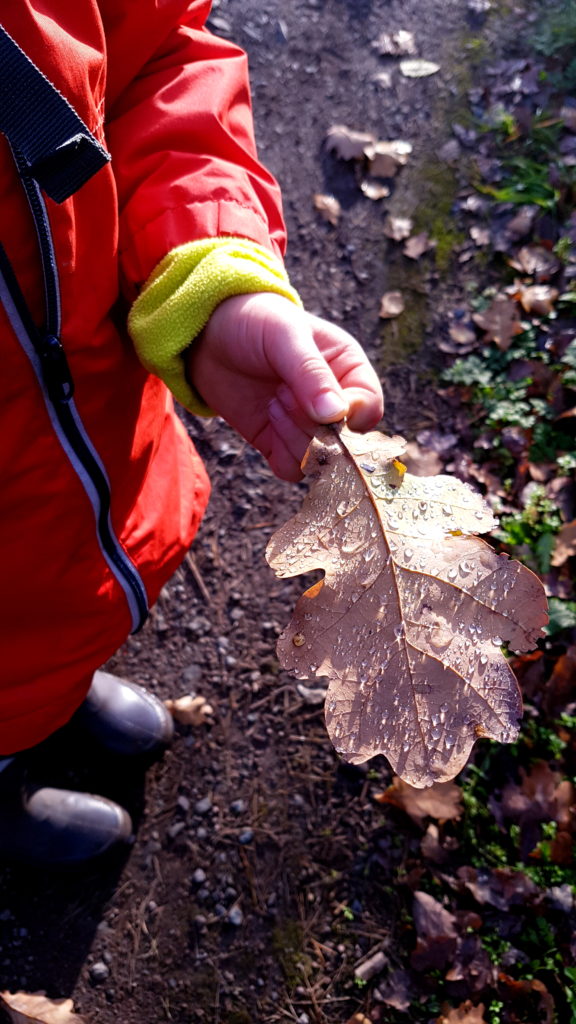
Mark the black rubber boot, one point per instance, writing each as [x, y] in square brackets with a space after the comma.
[125, 718]
[56, 826]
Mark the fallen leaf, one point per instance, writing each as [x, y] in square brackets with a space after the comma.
[431, 847]
[374, 189]
[501, 321]
[417, 245]
[538, 299]
[536, 261]
[386, 158]
[464, 338]
[329, 207]
[396, 990]
[36, 1008]
[383, 79]
[559, 688]
[501, 888]
[542, 796]
[472, 965]
[522, 222]
[437, 938]
[418, 68]
[565, 546]
[190, 709]
[397, 228]
[479, 6]
[422, 461]
[568, 115]
[480, 236]
[442, 801]
[408, 622]
[466, 1013]
[527, 988]
[391, 305]
[347, 143]
[395, 44]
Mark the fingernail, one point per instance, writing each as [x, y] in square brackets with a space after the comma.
[329, 406]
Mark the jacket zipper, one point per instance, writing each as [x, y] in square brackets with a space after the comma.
[48, 358]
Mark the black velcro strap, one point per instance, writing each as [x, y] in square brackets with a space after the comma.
[56, 147]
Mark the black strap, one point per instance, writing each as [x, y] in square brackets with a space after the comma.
[57, 148]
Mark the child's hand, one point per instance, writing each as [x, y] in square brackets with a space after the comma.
[274, 372]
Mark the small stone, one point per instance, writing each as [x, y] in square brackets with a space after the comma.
[183, 803]
[199, 876]
[175, 829]
[246, 837]
[99, 972]
[235, 917]
[191, 676]
[238, 806]
[199, 626]
[204, 805]
[201, 832]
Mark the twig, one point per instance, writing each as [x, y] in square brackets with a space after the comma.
[191, 563]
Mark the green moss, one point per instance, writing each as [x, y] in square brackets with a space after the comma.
[288, 947]
[240, 1016]
[437, 184]
[427, 191]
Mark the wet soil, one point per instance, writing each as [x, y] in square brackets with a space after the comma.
[259, 876]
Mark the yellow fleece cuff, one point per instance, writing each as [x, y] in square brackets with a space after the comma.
[181, 294]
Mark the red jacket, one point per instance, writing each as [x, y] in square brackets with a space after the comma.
[171, 104]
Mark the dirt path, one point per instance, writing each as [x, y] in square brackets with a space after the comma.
[260, 875]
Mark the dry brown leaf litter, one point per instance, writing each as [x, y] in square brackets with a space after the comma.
[501, 322]
[36, 1008]
[409, 620]
[190, 709]
[391, 305]
[328, 207]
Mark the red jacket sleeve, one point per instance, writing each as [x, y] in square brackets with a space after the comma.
[179, 128]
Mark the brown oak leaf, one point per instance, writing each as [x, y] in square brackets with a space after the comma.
[36, 1008]
[397, 228]
[190, 709]
[347, 143]
[442, 801]
[565, 546]
[328, 207]
[409, 620]
[417, 245]
[466, 1013]
[391, 305]
[437, 937]
[501, 321]
[527, 993]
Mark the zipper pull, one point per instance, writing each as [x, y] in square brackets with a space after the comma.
[55, 369]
